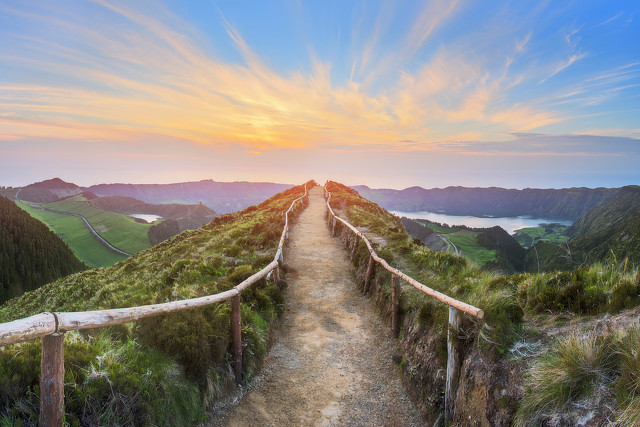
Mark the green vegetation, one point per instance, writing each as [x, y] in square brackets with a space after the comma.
[122, 231]
[552, 233]
[445, 272]
[153, 372]
[466, 240]
[603, 287]
[163, 230]
[576, 368]
[612, 226]
[77, 236]
[30, 254]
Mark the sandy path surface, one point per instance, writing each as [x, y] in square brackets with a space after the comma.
[331, 363]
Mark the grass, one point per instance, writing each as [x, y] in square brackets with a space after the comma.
[122, 231]
[75, 234]
[153, 372]
[466, 242]
[573, 370]
[552, 233]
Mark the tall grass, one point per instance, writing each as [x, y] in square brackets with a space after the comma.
[573, 370]
[628, 385]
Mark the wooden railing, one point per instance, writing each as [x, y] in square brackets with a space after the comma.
[52, 326]
[455, 306]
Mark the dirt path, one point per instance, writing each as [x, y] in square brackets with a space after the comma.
[331, 364]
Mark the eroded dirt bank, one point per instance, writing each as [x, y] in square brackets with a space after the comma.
[331, 363]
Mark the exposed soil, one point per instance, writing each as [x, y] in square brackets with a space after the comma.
[331, 363]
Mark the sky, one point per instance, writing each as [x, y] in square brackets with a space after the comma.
[388, 94]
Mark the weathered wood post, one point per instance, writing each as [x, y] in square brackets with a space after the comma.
[395, 305]
[52, 380]
[236, 339]
[276, 275]
[333, 226]
[355, 245]
[369, 275]
[453, 364]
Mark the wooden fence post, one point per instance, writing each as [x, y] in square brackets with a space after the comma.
[369, 275]
[453, 364]
[236, 338]
[355, 245]
[276, 275]
[52, 380]
[395, 305]
[333, 226]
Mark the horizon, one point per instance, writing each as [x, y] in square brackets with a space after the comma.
[430, 94]
[350, 185]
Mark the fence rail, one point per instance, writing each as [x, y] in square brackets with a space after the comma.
[52, 326]
[453, 352]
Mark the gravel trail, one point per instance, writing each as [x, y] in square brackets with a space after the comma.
[331, 362]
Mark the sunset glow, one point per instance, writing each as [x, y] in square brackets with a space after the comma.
[434, 93]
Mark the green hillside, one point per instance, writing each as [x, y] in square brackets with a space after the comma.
[30, 254]
[513, 358]
[161, 371]
[625, 202]
[122, 231]
[77, 236]
[610, 231]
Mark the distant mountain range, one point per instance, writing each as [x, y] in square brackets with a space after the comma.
[222, 197]
[607, 232]
[567, 203]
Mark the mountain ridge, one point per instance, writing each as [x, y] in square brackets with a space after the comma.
[566, 203]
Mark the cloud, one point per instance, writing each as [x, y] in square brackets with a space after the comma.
[565, 64]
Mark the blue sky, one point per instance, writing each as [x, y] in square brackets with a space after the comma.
[388, 94]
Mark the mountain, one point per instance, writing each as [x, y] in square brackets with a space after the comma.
[222, 197]
[567, 203]
[30, 254]
[48, 191]
[610, 230]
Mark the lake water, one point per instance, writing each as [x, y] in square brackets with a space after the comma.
[147, 217]
[509, 224]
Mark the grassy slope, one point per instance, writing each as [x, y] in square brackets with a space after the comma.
[466, 242]
[76, 235]
[552, 234]
[545, 298]
[122, 231]
[160, 370]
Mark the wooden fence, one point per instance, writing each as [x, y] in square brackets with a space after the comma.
[455, 306]
[52, 326]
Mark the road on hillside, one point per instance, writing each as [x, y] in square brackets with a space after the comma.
[89, 226]
[331, 363]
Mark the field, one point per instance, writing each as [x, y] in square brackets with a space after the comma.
[552, 233]
[76, 235]
[120, 230]
[466, 242]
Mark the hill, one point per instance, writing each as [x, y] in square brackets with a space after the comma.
[162, 371]
[547, 348]
[30, 254]
[222, 197]
[610, 231]
[568, 203]
[48, 191]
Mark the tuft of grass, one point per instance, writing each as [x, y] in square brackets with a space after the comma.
[628, 385]
[571, 371]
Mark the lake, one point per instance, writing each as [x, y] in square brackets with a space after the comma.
[147, 217]
[509, 224]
